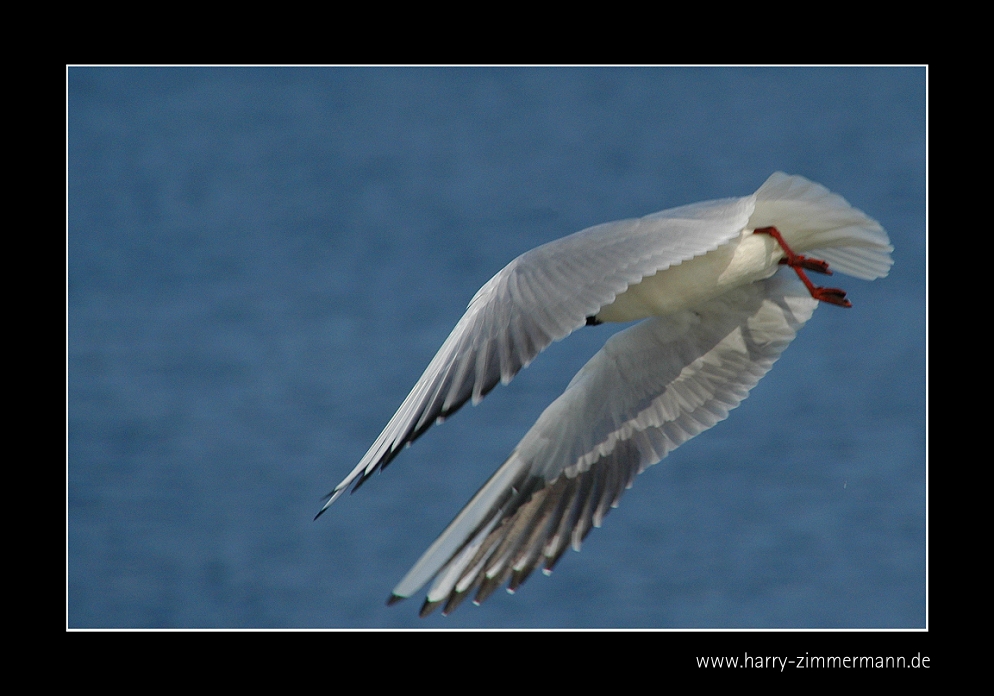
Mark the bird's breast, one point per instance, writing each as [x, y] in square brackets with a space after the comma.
[746, 259]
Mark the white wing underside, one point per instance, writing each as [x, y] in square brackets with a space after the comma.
[651, 388]
[541, 297]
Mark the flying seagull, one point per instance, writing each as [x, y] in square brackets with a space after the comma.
[718, 311]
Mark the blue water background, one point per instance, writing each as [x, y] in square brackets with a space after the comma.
[261, 263]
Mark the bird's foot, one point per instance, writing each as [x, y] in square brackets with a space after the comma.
[830, 295]
[799, 262]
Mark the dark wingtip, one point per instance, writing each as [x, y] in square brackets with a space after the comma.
[326, 505]
[393, 599]
[427, 608]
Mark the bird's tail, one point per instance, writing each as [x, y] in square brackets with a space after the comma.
[822, 224]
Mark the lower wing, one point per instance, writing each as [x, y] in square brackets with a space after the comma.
[651, 388]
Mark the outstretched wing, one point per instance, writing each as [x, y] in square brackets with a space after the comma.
[540, 297]
[651, 388]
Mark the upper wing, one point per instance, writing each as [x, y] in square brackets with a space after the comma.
[649, 389]
[540, 297]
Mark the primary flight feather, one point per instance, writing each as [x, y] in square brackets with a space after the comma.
[718, 314]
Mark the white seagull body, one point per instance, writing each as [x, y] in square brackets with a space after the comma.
[719, 315]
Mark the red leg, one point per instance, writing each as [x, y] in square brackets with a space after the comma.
[799, 263]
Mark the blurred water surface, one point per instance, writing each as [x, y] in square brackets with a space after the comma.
[261, 262]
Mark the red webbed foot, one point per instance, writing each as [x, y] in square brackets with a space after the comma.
[831, 295]
[799, 263]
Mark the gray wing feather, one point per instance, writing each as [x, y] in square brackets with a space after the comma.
[651, 388]
[540, 297]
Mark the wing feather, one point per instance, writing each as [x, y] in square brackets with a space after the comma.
[651, 388]
[540, 297]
